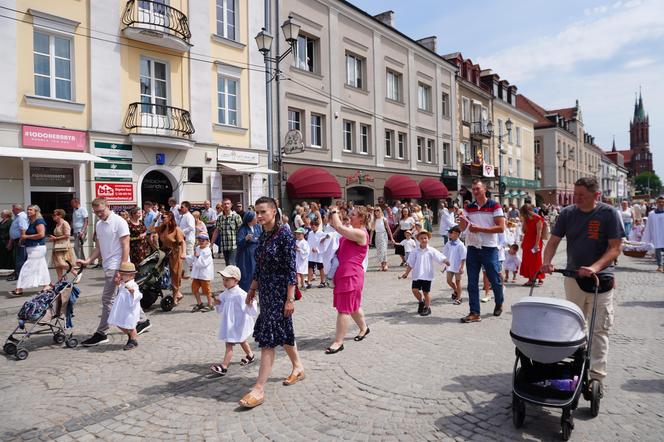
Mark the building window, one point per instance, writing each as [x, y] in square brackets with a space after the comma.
[401, 146]
[349, 135]
[294, 119]
[227, 100]
[393, 85]
[509, 166]
[431, 147]
[424, 97]
[306, 53]
[465, 151]
[509, 137]
[354, 71]
[518, 136]
[465, 110]
[445, 105]
[52, 66]
[446, 153]
[420, 148]
[226, 14]
[389, 143]
[154, 90]
[538, 147]
[365, 138]
[316, 130]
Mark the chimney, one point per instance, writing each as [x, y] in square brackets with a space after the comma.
[428, 42]
[386, 18]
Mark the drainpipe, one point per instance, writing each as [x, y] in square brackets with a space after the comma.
[280, 178]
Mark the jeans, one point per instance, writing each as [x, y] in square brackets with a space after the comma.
[486, 257]
[78, 246]
[229, 256]
[20, 255]
[628, 228]
[659, 254]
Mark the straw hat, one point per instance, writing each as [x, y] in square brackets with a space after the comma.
[231, 272]
[424, 232]
[127, 267]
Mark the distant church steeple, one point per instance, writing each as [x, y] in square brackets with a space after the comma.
[639, 139]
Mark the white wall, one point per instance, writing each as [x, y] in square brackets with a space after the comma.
[200, 76]
[8, 72]
[257, 107]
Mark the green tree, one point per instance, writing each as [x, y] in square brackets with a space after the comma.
[648, 183]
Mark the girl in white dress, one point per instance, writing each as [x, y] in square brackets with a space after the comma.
[126, 308]
[512, 262]
[237, 319]
[301, 256]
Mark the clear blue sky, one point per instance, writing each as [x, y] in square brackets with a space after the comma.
[598, 52]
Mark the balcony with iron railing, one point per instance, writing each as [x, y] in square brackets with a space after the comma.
[159, 125]
[156, 23]
[480, 130]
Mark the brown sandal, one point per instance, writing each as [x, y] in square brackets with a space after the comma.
[294, 378]
[250, 401]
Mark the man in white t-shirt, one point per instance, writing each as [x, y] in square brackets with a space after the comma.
[446, 220]
[113, 246]
[484, 220]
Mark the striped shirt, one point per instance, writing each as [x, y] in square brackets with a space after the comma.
[485, 217]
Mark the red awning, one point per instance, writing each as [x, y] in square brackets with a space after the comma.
[312, 182]
[433, 189]
[400, 186]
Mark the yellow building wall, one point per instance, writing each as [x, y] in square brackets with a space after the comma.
[70, 9]
[527, 139]
[238, 57]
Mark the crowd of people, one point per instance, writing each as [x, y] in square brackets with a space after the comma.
[273, 255]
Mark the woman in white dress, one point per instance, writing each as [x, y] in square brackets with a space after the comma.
[383, 233]
[34, 272]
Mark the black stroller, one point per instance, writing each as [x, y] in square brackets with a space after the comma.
[153, 276]
[552, 360]
[50, 311]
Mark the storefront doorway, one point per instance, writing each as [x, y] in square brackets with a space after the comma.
[360, 195]
[48, 202]
[156, 187]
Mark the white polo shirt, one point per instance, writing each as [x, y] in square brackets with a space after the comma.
[109, 233]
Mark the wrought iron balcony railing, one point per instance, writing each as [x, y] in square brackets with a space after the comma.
[480, 129]
[156, 16]
[159, 119]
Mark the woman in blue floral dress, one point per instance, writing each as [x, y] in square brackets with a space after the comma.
[274, 278]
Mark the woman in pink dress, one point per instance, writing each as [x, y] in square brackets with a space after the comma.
[349, 276]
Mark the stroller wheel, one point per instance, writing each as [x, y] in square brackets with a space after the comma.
[10, 348]
[21, 354]
[71, 343]
[167, 303]
[566, 424]
[595, 397]
[59, 338]
[518, 411]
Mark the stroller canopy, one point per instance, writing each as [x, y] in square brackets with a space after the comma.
[547, 330]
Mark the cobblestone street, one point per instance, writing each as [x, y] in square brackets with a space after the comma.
[413, 378]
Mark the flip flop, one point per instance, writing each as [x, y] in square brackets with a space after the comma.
[358, 338]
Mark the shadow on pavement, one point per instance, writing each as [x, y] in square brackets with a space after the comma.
[410, 317]
[649, 304]
[644, 385]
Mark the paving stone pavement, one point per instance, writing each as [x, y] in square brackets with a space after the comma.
[413, 378]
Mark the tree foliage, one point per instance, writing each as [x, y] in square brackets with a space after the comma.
[648, 183]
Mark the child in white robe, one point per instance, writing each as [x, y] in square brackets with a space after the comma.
[512, 262]
[126, 308]
[202, 273]
[301, 256]
[237, 319]
[408, 245]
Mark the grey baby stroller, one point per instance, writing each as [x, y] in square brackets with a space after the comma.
[50, 311]
[152, 277]
[552, 357]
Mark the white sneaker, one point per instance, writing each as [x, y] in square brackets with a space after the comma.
[485, 299]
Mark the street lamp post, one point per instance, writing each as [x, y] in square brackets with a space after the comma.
[264, 40]
[501, 152]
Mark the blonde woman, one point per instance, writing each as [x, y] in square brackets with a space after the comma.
[63, 252]
[382, 233]
[34, 272]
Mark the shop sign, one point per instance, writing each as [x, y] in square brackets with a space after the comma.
[236, 156]
[520, 182]
[113, 151]
[359, 177]
[51, 177]
[488, 170]
[50, 138]
[112, 171]
[115, 191]
[117, 208]
[450, 173]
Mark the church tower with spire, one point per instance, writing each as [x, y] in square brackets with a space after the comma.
[639, 139]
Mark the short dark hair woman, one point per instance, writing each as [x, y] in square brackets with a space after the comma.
[274, 279]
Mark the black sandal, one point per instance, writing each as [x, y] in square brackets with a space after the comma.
[219, 369]
[331, 351]
[247, 360]
[358, 338]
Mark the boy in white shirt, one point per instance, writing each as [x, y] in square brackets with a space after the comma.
[315, 258]
[408, 245]
[421, 262]
[301, 256]
[202, 273]
[455, 251]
